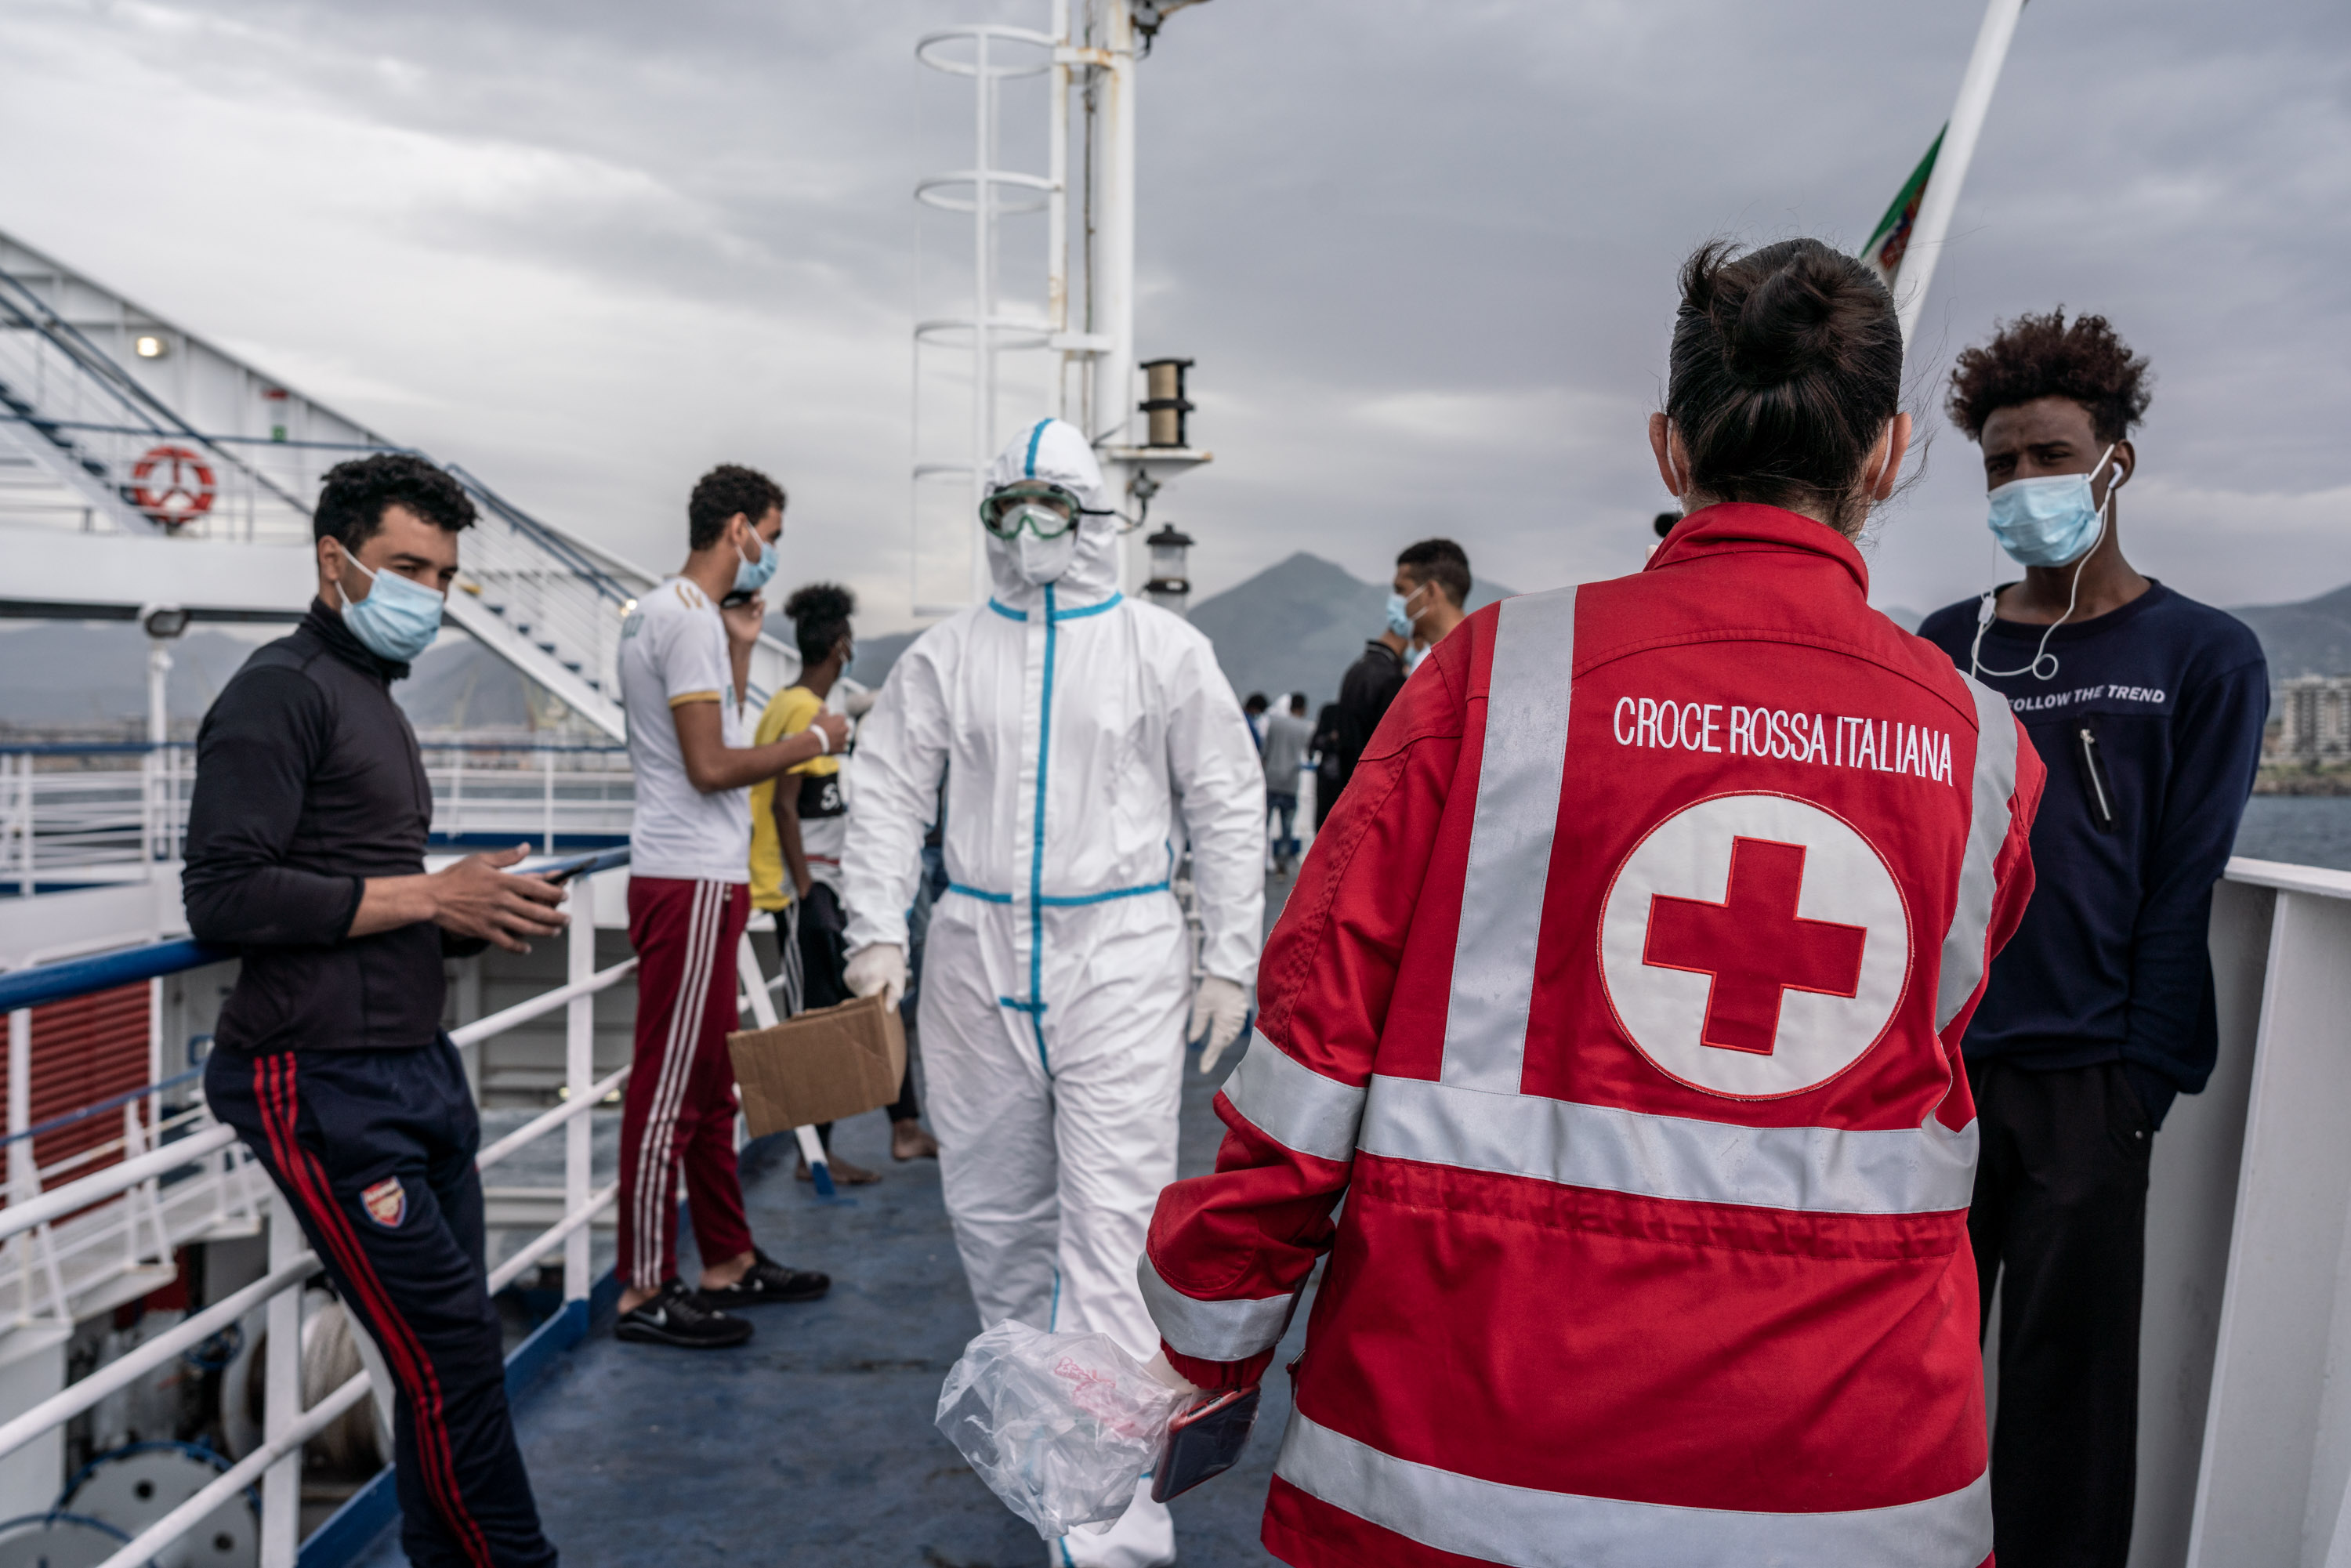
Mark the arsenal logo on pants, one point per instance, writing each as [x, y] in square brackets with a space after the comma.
[375, 1151]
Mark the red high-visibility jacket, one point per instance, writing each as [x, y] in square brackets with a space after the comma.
[1625, 1013]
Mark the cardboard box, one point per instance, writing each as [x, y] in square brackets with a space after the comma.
[826, 1064]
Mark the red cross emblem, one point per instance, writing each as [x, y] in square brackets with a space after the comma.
[1755, 945]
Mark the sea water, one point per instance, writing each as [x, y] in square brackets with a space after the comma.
[2304, 830]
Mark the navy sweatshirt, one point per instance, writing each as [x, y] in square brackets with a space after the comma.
[2151, 731]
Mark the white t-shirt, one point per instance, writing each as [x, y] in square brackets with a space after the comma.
[674, 652]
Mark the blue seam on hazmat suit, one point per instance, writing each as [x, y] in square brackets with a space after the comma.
[1035, 437]
[1037, 827]
[1011, 614]
[1065, 900]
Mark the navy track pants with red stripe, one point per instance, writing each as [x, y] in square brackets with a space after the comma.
[375, 1151]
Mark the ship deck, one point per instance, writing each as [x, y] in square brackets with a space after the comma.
[814, 1443]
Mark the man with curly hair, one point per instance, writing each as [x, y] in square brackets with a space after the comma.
[2148, 708]
[306, 852]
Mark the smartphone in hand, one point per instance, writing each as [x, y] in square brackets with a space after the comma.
[1203, 1442]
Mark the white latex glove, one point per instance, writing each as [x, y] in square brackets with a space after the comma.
[880, 969]
[1219, 1007]
[1159, 1368]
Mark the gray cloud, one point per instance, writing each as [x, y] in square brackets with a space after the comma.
[1422, 252]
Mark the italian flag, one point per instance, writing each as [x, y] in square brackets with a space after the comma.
[1891, 238]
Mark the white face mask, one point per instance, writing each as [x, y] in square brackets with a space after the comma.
[1041, 561]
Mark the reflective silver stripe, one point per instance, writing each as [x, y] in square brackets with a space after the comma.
[1213, 1331]
[1821, 1170]
[1995, 782]
[1294, 1105]
[1519, 769]
[1524, 1528]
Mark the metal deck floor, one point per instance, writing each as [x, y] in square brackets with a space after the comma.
[814, 1444]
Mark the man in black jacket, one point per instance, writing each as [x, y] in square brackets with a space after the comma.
[1425, 601]
[305, 852]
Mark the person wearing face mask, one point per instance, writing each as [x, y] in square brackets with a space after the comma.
[797, 823]
[1425, 600]
[2148, 708]
[306, 853]
[1077, 733]
[683, 665]
[1608, 1049]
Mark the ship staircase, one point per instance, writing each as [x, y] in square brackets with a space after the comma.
[143, 467]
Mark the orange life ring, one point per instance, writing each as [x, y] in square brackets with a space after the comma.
[173, 486]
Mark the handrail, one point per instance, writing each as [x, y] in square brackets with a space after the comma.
[125, 1369]
[58, 1202]
[548, 1121]
[291, 1265]
[2288, 877]
[112, 1103]
[538, 1006]
[79, 976]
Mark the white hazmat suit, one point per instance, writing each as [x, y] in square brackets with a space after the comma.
[1082, 736]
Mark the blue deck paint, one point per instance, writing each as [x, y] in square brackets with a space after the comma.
[814, 1444]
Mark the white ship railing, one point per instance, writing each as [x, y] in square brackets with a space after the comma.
[160, 1194]
[80, 814]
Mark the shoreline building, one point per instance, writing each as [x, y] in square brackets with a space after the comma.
[2317, 713]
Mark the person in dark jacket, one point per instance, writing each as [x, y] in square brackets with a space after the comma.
[1425, 602]
[2148, 708]
[306, 852]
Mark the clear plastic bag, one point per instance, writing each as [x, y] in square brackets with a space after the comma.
[1060, 1426]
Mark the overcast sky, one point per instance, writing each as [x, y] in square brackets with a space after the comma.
[1422, 252]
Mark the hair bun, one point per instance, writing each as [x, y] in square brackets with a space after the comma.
[1787, 362]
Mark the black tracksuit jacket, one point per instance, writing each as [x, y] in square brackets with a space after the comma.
[308, 781]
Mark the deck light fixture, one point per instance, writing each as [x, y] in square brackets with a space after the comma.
[148, 346]
[1170, 586]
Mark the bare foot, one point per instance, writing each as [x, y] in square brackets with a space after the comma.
[909, 1140]
[843, 1173]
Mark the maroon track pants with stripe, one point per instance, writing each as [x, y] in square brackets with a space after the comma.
[680, 1100]
[375, 1151]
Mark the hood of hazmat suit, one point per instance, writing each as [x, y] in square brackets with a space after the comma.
[1082, 739]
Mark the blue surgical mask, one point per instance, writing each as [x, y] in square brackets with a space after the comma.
[750, 576]
[399, 618]
[2051, 520]
[1400, 614]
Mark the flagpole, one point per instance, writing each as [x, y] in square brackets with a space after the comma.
[1942, 195]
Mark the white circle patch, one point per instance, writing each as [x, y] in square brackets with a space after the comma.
[1755, 945]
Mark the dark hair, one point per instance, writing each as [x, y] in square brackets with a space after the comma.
[1297, 701]
[819, 615]
[1664, 522]
[2041, 356]
[1254, 703]
[1787, 362]
[352, 499]
[720, 494]
[1442, 562]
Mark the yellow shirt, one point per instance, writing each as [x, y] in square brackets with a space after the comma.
[788, 712]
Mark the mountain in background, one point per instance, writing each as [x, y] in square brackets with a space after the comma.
[1294, 627]
[86, 678]
[2312, 638]
[93, 675]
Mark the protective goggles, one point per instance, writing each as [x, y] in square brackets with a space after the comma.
[1045, 510]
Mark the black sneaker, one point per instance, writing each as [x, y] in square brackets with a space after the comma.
[765, 1281]
[677, 1316]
